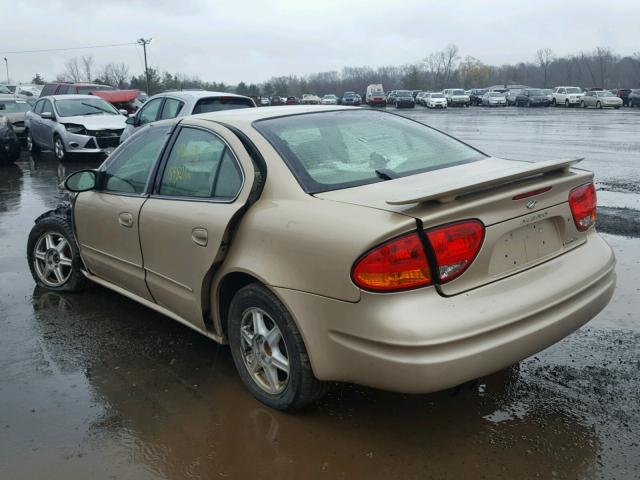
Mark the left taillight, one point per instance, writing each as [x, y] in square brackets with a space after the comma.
[583, 202]
[400, 264]
[455, 246]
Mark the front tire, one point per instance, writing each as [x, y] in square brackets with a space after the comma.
[268, 351]
[32, 147]
[53, 255]
[599, 105]
[58, 149]
[566, 104]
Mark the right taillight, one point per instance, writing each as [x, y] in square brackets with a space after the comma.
[455, 247]
[583, 203]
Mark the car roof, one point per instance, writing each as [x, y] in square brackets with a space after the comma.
[195, 94]
[71, 97]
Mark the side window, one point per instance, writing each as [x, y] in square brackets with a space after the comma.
[149, 112]
[171, 108]
[39, 106]
[47, 107]
[201, 166]
[128, 171]
[48, 89]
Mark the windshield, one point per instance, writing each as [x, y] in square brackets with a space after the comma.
[84, 106]
[437, 95]
[215, 104]
[328, 96]
[84, 90]
[333, 150]
[496, 94]
[574, 90]
[14, 106]
[605, 94]
[535, 93]
[403, 93]
[457, 92]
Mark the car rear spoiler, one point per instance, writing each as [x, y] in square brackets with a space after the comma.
[457, 187]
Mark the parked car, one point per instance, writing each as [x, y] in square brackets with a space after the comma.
[457, 98]
[567, 96]
[475, 96]
[600, 99]
[26, 91]
[623, 93]
[350, 98]
[532, 97]
[66, 88]
[421, 98]
[265, 101]
[512, 95]
[494, 99]
[182, 103]
[14, 110]
[278, 100]
[549, 93]
[121, 99]
[329, 100]
[318, 265]
[634, 98]
[70, 124]
[375, 96]
[391, 97]
[9, 141]
[404, 99]
[5, 92]
[292, 101]
[436, 100]
[310, 99]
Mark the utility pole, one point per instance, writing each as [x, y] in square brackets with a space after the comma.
[144, 43]
[6, 64]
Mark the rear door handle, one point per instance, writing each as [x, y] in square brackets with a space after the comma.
[125, 219]
[200, 236]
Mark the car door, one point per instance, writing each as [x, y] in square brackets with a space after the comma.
[149, 112]
[204, 181]
[46, 126]
[34, 120]
[106, 219]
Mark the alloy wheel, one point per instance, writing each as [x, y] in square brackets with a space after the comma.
[52, 259]
[58, 148]
[264, 351]
[29, 142]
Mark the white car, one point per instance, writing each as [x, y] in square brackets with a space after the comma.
[329, 100]
[567, 96]
[494, 99]
[310, 99]
[436, 100]
[457, 97]
[264, 101]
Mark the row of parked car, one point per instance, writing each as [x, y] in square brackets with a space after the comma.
[347, 98]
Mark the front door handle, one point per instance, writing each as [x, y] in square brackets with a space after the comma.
[200, 236]
[125, 219]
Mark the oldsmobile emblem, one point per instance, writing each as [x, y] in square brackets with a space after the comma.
[532, 204]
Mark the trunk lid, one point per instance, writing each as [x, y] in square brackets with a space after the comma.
[520, 233]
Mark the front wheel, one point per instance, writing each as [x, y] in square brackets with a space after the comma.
[58, 148]
[598, 105]
[268, 351]
[566, 104]
[583, 105]
[53, 255]
[32, 147]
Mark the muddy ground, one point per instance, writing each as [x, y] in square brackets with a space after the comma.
[96, 386]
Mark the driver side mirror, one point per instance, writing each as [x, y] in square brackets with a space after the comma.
[47, 115]
[81, 181]
[131, 121]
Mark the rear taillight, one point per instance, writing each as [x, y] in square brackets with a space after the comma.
[396, 265]
[583, 202]
[455, 246]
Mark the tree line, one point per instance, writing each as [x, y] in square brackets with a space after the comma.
[446, 68]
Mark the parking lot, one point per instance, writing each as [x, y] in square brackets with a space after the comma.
[98, 386]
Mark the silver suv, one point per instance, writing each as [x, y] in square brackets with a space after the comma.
[73, 124]
[181, 103]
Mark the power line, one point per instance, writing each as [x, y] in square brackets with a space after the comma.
[69, 48]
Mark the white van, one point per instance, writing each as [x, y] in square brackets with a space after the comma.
[375, 95]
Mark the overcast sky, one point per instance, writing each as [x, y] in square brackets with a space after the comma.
[252, 41]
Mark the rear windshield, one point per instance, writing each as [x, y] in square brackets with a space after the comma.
[334, 150]
[215, 104]
[14, 106]
[536, 93]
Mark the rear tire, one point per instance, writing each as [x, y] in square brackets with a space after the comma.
[256, 318]
[53, 254]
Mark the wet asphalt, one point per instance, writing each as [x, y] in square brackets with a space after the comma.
[97, 386]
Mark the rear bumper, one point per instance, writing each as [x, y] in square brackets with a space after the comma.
[419, 341]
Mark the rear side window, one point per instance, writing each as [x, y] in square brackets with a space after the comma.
[171, 108]
[48, 89]
[333, 150]
[214, 104]
[128, 170]
[201, 166]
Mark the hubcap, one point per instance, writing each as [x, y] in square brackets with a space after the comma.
[52, 259]
[264, 351]
[29, 142]
[59, 148]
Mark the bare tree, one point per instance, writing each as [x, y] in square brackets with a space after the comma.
[72, 71]
[116, 74]
[604, 57]
[87, 66]
[545, 57]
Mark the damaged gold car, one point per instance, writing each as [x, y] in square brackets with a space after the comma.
[331, 244]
